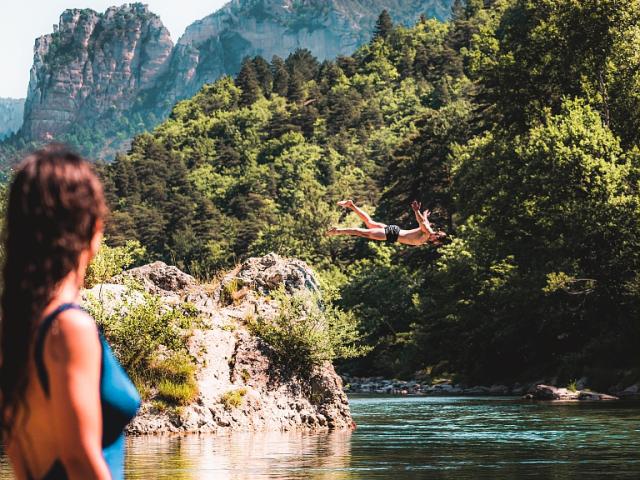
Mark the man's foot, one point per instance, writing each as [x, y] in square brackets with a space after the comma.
[332, 232]
[346, 203]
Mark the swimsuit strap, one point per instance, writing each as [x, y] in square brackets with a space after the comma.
[41, 334]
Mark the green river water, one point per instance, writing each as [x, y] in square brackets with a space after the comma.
[414, 438]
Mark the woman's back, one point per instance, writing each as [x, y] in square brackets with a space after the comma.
[65, 398]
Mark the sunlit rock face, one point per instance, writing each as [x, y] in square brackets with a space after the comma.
[92, 64]
[230, 357]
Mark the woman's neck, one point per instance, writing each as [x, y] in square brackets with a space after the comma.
[68, 291]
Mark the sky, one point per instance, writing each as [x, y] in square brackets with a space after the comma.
[22, 21]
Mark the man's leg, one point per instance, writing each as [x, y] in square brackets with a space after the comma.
[364, 216]
[368, 233]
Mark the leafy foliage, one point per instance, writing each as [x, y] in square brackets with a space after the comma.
[110, 261]
[233, 398]
[515, 122]
[306, 333]
[149, 339]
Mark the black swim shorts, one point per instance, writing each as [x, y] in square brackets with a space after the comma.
[392, 232]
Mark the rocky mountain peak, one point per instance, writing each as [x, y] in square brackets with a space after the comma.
[92, 64]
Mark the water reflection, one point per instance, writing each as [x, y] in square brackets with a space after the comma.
[413, 438]
[240, 456]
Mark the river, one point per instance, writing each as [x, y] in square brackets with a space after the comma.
[414, 438]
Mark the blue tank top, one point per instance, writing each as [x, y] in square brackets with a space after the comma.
[119, 400]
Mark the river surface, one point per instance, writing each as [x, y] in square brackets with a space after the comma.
[414, 438]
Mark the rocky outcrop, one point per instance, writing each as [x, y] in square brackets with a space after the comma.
[11, 112]
[551, 393]
[93, 65]
[233, 361]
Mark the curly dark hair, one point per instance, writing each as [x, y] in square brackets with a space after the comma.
[55, 201]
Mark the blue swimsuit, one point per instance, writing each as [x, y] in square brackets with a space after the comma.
[118, 397]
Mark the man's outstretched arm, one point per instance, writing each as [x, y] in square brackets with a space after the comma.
[422, 218]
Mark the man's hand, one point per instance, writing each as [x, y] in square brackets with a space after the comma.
[425, 216]
[415, 206]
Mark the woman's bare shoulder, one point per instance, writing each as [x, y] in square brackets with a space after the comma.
[73, 333]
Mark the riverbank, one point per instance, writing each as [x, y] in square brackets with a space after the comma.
[537, 390]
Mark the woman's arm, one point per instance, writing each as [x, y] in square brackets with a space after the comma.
[72, 357]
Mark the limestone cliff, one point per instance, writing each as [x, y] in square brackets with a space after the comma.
[230, 358]
[11, 112]
[93, 65]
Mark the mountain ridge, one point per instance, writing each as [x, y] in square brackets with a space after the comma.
[100, 78]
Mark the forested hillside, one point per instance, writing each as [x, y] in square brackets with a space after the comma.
[516, 122]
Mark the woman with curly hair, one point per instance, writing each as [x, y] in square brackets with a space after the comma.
[65, 399]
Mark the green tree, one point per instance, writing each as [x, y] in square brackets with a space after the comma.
[247, 80]
[280, 76]
[263, 75]
[383, 27]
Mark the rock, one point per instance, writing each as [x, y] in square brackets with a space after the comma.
[630, 393]
[93, 65]
[229, 359]
[160, 278]
[594, 396]
[551, 393]
[499, 390]
[477, 390]
[270, 272]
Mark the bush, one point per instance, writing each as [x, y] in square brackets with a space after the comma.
[307, 332]
[149, 339]
[233, 398]
[110, 261]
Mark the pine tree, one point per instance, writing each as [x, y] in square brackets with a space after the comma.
[280, 76]
[295, 93]
[458, 10]
[384, 26]
[304, 63]
[264, 75]
[248, 81]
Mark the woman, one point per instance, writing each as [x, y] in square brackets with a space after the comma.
[392, 233]
[65, 399]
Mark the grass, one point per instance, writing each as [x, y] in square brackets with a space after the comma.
[573, 386]
[230, 291]
[175, 379]
[233, 398]
[246, 376]
[177, 393]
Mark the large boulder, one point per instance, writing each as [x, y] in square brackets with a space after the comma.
[160, 278]
[231, 359]
[264, 274]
